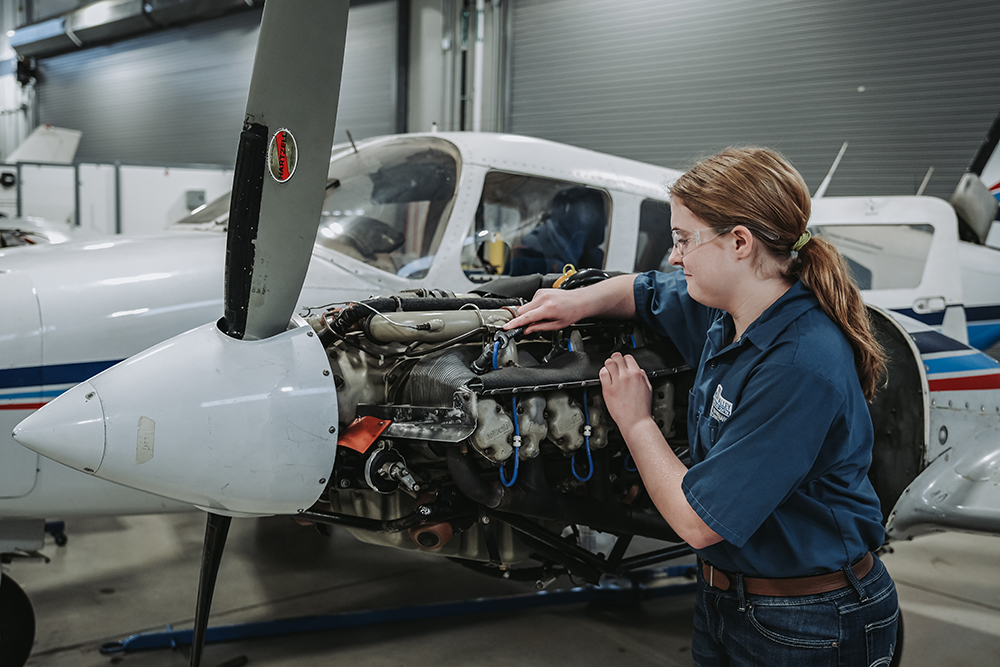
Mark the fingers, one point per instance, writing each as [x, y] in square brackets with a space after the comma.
[542, 313]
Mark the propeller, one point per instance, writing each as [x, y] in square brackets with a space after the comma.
[236, 417]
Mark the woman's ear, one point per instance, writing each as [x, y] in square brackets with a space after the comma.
[744, 241]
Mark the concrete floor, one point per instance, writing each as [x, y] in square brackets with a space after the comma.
[126, 575]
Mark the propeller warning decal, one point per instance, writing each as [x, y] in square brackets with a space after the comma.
[282, 155]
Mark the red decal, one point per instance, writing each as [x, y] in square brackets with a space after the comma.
[282, 156]
[21, 406]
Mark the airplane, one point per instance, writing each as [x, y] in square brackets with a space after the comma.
[48, 144]
[396, 424]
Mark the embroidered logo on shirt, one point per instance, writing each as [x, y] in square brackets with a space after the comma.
[721, 408]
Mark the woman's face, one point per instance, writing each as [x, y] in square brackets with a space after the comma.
[699, 251]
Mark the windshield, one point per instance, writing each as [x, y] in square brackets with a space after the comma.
[384, 203]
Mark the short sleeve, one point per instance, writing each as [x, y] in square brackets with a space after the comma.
[663, 304]
[771, 442]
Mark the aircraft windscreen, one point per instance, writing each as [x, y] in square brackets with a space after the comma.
[386, 202]
[882, 256]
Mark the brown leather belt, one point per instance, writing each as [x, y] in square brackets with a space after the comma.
[790, 587]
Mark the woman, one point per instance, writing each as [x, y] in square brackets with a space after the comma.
[777, 503]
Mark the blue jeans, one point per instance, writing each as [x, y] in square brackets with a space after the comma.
[841, 628]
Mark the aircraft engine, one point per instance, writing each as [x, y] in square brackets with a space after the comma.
[444, 418]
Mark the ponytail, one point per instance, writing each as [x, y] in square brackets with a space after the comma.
[759, 189]
[822, 269]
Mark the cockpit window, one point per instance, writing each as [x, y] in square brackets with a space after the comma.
[526, 224]
[881, 256]
[652, 248]
[384, 203]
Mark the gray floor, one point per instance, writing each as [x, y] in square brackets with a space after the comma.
[121, 576]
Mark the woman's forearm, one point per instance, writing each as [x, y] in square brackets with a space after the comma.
[662, 473]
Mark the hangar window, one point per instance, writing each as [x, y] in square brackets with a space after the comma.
[526, 224]
[882, 256]
[652, 248]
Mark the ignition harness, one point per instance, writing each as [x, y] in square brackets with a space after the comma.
[586, 445]
[586, 438]
[629, 463]
[517, 429]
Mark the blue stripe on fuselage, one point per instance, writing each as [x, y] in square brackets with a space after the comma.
[959, 364]
[34, 376]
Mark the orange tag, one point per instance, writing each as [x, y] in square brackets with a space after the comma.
[362, 432]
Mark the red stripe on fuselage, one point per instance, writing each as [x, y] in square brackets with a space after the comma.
[969, 383]
[21, 406]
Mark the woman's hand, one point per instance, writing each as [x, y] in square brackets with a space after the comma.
[627, 391]
[549, 310]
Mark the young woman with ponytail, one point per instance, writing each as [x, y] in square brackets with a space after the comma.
[777, 503]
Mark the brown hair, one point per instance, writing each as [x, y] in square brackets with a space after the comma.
[759, 189]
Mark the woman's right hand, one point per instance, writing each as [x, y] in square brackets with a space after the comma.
[549, 310]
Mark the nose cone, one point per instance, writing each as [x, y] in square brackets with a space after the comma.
[69, 429]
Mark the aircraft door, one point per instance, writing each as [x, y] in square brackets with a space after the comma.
[20, 380]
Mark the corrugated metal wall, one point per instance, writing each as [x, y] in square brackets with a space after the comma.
[909, 83]
[179, 96]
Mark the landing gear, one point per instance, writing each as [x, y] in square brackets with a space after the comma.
[17, 624]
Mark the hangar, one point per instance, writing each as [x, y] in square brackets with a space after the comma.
[162, 87]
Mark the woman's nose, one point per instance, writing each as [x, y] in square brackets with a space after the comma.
[675, 258]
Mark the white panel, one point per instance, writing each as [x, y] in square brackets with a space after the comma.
[47, 192]
[97, 199]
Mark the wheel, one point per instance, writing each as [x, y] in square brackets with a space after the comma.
[17, 624]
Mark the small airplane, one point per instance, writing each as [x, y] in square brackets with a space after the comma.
[396, 415]
[48, 144]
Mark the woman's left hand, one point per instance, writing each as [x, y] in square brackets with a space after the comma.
[627, 391]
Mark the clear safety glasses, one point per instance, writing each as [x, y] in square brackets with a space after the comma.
[685, 244]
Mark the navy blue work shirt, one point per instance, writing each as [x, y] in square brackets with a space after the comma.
[779, 430]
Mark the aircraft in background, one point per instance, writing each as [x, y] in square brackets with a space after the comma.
[410, 418]
[47, 144]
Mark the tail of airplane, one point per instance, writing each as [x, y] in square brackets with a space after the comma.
[47, 144]
[986, 163]
[977, 198]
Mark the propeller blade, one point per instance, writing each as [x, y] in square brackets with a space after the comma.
[216, 530]
[282, 162]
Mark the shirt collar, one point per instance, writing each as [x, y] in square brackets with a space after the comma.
[789, 306]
